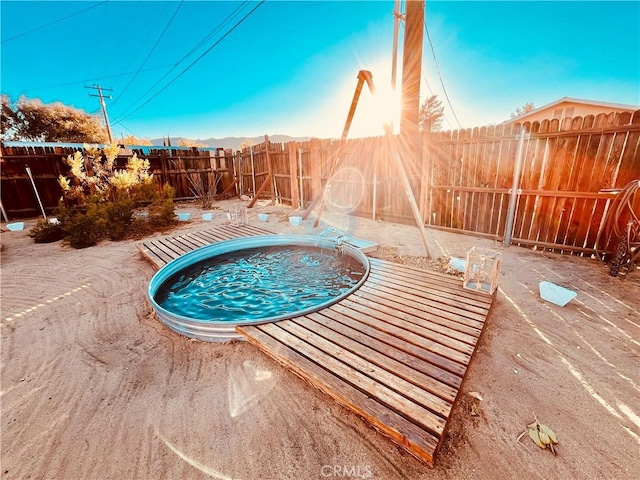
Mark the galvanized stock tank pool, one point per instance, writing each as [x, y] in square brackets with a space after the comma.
[206, 293]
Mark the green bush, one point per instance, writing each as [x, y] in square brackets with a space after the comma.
[119, 215]
[98, 218]
[45, 232]
[162, 211]
[83, 227]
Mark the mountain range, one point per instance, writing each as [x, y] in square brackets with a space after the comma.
[231, 142]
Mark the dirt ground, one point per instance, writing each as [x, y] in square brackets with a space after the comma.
[94, 387]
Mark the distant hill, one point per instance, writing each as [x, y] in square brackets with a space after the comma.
[233, 142]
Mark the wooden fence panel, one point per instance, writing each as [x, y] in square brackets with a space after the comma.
[564, 167]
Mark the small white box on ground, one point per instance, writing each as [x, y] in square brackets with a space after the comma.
[481, 270]
[556, 294]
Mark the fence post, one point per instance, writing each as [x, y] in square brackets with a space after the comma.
[425, 177]
[292, 148]
[515, 188]
[267, 147]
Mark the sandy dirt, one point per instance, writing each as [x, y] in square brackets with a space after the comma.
[94, 387]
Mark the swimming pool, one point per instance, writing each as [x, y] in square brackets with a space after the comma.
[206, 293]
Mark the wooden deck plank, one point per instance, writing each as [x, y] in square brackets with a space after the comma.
[382, 297]
[149, 253]
[384, 356]
[307, 342]
[410, 326]
[411, 313]
[419, 358]
[428, 283]
[414, 439]
[430, 358]
[396, 329]
[447, 301]
[374, 285]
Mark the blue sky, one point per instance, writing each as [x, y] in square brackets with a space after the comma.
[290, 67]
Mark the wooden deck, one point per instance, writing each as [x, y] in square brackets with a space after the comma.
[396, 352]
[162, 250]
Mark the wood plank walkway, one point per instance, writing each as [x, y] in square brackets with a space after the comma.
[396, 352]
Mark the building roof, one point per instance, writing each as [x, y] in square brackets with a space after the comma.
[596, 103]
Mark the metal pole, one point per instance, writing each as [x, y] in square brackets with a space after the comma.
[253, 171]
[301, 179]
[375, 195]
[4, 212]
[37, 194]
[515, 189]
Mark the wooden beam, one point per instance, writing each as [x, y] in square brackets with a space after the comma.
[227, 190]
[260, 190]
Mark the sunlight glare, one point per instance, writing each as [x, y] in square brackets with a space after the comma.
[373, 110]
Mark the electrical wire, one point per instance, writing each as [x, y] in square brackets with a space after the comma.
[149, 54]
[52, 23]
[175, 65]
[195, 61]
[89, 80]
[435, 61]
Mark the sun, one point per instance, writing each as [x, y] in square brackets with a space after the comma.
[373, 111]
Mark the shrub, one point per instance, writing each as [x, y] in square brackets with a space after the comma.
[45, 232]
[119, 217]
[100, 199]
[83, 226]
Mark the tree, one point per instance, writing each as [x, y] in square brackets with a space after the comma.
[30, 119]
[431, 111]
[246, 143]
[187, 142]
[8, 119]
[526, 108]
[133, 140]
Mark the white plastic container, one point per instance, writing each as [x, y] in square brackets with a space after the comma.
[556, 294]
[263, 217]
[295, 220]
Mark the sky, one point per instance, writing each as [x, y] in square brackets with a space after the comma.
[201, 69]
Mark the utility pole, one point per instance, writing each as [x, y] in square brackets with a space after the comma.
[104, 106]
[397, 16]
[411, 72]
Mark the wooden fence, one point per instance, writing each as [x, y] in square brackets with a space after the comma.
[177, 166]
[559, 178]
[561, 181]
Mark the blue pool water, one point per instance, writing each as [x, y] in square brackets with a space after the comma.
[257, 283]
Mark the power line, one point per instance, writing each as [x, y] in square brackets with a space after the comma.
[149, 54]
[52, 23]
[196, 60]
[89, 80]
[435, 61]
[175, 65]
